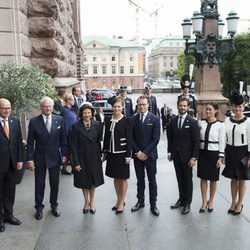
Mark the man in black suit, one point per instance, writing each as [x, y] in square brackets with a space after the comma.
[59, 102]
[77, 93]
[146, 135]
[152, 107]
[46, 149]
[128, 104]
[183, 149]
[11, 160]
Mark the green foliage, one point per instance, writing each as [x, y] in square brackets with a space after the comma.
[183, 64]
[235, 66]
[24, 86]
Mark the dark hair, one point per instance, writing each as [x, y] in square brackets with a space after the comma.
[86, 106]
[142, 97]
[61, 92]
[236, 98]
[116, 99]
[215, 106]
[74, 89]
[182, 99]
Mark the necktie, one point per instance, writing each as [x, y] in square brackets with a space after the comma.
[5, 128]
[79, 101]
[48, 124]
[179, 125]
[141, 120]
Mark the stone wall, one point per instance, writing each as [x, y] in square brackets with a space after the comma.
[44, 33]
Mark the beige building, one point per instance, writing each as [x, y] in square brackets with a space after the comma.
[164, 57]
[111, 63]
[44, 33]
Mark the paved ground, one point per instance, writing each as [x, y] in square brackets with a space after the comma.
[139, 230]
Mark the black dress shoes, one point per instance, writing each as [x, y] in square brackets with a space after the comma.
[202, 210]
[39, 214]
[92, 211]
[55, 211]
[2, 226]
[186, 209]
[137, 206]
[85, 210]
[12, 220]
[155, 211]
[177, 205]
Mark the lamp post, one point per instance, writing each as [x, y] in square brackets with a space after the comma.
[207, 48]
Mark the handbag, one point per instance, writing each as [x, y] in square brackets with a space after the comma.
[244, 162]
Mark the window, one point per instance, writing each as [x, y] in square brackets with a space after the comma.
[122, 70]
[113, 70]
[164, 58]
[131, 70]
[85, 71]
[164, 64]
[95, 70]
[94, 58]
[113, 59]
[104, 70]
[131, 58]
[171, 64]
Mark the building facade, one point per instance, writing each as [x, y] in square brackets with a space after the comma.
[164, 57]
[111, 63]
[43, 33]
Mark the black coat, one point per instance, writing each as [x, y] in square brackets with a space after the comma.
[186, 141]
[10, 150]
[86, 152]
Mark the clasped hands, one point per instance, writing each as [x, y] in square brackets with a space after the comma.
[141, 156]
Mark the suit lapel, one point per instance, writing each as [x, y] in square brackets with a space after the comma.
[84, 131]
[42, 124]
[54, 124]
[11, 128]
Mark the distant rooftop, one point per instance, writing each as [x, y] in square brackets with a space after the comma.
[171, 41]
[110, 42]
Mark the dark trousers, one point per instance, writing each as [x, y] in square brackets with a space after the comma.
[184, 175]
[40, 176]
[7, 192]
[150, 166]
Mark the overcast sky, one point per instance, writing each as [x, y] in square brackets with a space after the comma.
[117, 17]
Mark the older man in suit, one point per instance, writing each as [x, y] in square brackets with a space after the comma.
[183, 149]
[46, 149]
[146, 135]
[11, 159]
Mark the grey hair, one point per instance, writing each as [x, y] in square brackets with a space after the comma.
[48, 99]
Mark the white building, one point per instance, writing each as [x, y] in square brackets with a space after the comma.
[164, 57]
[111, 63]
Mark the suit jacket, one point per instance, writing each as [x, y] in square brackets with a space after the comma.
[146, 136]
[153, 105]
[11, 150]
[186, 140]
[58, 107]
[122, 136]
[128, 107]
[75, 106]
[44, 148]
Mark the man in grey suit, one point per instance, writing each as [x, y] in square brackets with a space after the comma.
[183, 148]
[11, 160]
[46, 149]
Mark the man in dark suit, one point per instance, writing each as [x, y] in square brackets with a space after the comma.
[77, 93]
[11, 160]
[46, 149]
[152, 101]
[128, 104]
[146, 135]
[183, 149]
[59, 102]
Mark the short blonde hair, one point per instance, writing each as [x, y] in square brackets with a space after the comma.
[68, 96]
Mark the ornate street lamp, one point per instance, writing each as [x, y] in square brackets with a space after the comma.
[207, 48]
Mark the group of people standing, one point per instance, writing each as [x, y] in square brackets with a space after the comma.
[210, 143]
[76, 136]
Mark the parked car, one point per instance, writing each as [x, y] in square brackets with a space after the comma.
[106, 107]
[102, 94]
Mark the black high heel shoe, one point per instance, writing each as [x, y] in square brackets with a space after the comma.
[114, 208]
[85, 211]
[237, 213]
[120, 211]
[230, 211]
[210, 210]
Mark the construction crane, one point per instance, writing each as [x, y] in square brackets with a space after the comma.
[154, 14]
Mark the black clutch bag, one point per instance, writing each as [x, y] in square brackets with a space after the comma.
[244, 162]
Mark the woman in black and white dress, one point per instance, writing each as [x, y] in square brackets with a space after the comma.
[118, 146]
[237, 147]
[212, 144]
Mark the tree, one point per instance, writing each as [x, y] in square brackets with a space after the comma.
[183, 64]
[235, 66]
[24, 86]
